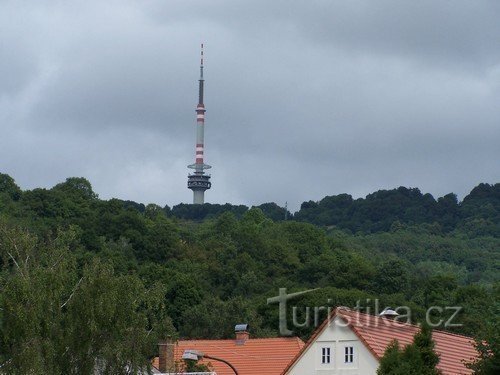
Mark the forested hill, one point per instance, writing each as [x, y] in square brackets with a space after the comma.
[399, 246]
[477, 215]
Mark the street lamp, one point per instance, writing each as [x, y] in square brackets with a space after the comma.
[196, 355]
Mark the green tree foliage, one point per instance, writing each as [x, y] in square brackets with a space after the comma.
[183, 294]
[205, 211]
[392, 277]
[219, 263]
[391, 362]
[200, 212]
[77, 187]
[488, 344]
[275, 212]
[216, 318]
[418, 358]
[9, 187]
[58, 320]
[477, 215]
[425, 345]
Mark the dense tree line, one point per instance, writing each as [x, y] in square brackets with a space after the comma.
[478, 214]
[213, 270]
[210, 211]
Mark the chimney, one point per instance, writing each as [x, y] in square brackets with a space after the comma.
[242, 335]
[166, 356]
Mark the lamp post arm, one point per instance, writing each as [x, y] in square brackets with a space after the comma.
[221, 360]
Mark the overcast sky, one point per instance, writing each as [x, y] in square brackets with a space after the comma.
[304, 98]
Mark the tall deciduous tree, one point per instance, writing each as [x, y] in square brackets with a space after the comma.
[9, 187]
[56, 320]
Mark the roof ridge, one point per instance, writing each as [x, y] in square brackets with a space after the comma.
[249, 339]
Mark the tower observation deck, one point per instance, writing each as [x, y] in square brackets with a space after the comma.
[198, 181]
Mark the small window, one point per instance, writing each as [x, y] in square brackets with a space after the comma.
[349, 354]
[325, 355]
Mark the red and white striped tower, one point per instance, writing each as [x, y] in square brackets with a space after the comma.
[198, 182]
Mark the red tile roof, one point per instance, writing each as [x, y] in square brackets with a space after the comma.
[377, 333]
[267, 356]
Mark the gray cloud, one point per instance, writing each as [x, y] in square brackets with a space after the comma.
[304, 99]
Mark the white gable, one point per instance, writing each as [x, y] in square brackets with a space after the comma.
[336, 351]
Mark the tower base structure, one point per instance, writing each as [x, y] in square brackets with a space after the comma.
[198, 196]
[198, 182]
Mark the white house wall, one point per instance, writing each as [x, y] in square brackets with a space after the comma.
[336, 337]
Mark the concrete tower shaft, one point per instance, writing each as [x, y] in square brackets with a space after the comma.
[198, 182]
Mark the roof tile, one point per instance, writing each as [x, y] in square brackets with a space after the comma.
[267, 356]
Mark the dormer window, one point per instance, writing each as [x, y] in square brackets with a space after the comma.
[325, 355]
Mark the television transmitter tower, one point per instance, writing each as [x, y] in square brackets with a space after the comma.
[198, 182]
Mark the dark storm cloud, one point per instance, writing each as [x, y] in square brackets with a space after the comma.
[455, 32]
[304, 98]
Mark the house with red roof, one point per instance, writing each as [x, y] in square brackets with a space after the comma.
[351, 342]
[249, 356]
